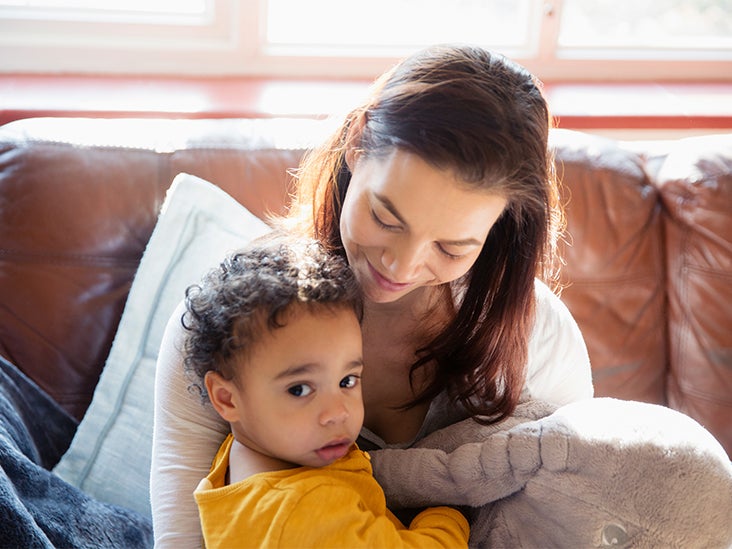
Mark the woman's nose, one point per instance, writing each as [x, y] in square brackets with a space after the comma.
[403, 261]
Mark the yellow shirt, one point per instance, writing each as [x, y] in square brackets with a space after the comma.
[338, 506]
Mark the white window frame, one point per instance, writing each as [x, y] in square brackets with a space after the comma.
[232, 43]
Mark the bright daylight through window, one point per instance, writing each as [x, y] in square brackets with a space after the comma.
[569, 39]
[675, 25]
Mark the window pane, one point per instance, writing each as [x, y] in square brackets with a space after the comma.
[410, 23]
[662, 24]
[178, 7]
[103, 10]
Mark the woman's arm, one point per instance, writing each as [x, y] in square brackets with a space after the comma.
[186, 435]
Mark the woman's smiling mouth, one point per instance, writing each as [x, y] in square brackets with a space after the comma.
[386, 284]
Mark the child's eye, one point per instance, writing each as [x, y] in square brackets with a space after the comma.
[349, 382]
[300, 390]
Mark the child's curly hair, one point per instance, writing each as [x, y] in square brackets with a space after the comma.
[252, 290]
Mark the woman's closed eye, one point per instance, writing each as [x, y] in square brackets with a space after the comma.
[382, 223]
[447, 254]
[397, 227]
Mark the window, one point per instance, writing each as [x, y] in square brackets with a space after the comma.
[556, 39]
[410, 24]
[647, 27]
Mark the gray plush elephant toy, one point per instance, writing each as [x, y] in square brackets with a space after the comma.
[596, 473]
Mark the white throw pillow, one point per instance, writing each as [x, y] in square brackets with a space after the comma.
[109, 457]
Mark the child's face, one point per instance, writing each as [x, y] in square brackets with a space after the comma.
[299, 392]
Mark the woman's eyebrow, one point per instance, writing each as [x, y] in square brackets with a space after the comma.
[462, 242]
[389, 205]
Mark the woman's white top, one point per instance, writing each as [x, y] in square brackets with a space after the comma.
[188, 432]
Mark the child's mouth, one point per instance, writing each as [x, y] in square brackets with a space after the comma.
[334, 450]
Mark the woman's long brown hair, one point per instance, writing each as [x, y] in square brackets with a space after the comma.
[484, 117]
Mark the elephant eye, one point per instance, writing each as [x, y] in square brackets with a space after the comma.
[614, 535]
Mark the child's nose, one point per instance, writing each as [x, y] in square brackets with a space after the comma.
[334, 411]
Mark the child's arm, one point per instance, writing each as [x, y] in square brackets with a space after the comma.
[334, 516]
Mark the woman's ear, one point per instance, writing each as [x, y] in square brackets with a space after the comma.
[353, 140]
[221, 394]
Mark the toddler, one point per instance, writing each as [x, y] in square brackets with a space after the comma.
[273, 338]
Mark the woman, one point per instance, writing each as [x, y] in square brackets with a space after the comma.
[440, 193]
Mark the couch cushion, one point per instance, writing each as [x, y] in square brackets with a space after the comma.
[110, 455]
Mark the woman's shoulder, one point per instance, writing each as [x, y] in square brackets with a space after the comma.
[558, 369]
[552, 315]
[545, 296]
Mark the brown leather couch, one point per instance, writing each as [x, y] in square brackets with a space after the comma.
[648, 272]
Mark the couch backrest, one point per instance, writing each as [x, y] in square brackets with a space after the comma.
[614, 274]
[695, 180]
[78, 202]
[649, 269]
[648, 272]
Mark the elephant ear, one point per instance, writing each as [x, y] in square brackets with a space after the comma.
[617, 473]
[466, 463]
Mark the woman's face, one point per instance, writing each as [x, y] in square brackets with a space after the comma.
[406, 224]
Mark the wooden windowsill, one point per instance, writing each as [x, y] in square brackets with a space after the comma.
[585, 106]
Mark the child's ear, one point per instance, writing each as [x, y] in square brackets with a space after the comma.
[221, 394]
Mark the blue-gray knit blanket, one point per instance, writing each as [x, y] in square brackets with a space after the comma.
[37, 508]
